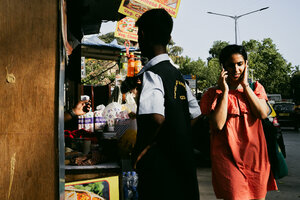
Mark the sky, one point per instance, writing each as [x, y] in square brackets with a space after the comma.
[195, 30]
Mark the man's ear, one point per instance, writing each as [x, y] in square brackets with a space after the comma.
[141, 34]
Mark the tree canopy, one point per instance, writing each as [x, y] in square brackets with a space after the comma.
[268, 66]
[265, 62]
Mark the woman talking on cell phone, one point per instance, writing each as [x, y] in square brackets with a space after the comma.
[240, 163]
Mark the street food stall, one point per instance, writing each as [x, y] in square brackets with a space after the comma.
[41, 54]
[98, 144]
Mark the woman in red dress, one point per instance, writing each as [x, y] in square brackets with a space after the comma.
[240, 163]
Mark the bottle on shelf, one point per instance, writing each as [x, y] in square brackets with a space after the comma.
[138, 65]
[134, 185]
[131, 65]
[129, 185]
[125, 188]
[123, 65]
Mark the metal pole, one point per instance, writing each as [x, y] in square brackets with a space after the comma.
[235, 24]
[236, 18]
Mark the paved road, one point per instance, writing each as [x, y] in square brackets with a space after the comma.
[289, 186]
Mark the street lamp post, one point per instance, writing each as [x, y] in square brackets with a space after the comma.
[236, 18]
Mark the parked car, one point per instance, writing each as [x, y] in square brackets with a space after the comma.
[288, 114]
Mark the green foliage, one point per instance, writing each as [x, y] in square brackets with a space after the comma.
[206, 75]
[96, 187]
[109, 37]
[99, 72]
[211, 73]
[269, 67]
[175, 52]
[216, 49]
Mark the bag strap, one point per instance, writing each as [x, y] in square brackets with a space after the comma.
[252, 86]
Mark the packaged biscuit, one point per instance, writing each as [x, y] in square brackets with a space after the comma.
[99, 119]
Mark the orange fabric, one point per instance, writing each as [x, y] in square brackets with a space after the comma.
[240, 163]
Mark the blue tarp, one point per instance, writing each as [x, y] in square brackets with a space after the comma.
[93, 40]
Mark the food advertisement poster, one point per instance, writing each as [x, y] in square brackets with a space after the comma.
[135, 8]
[126, 29]
[132, 8]
[95, 189]
[171, 6]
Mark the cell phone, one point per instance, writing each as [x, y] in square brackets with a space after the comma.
[86, 106]
[226, 79]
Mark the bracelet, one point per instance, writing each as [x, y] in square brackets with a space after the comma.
[246, 85]
[72, 113]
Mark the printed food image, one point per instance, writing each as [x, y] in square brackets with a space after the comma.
[91, 191]
[83, 196]
[70, 195]
[127, 24]
[137, 7]
[166, 2]
[74, 194]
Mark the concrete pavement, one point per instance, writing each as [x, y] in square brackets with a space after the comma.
[289, 186]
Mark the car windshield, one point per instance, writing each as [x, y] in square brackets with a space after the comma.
[283, 107]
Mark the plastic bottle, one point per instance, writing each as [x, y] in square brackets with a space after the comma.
[129, 185]
[131, 65]
[125, 188]
[134, 185]
[123, 65]
[138, 65]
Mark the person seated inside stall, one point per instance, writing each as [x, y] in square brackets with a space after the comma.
[71, 116]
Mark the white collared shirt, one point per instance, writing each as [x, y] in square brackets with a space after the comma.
[152, 95]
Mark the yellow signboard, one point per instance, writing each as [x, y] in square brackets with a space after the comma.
[126, 29]
[96, 189]
[171, 6]
[135, 8]
[132, 8]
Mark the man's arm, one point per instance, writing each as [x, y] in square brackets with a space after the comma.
[81, 108]
[194, 107]
[152, 125]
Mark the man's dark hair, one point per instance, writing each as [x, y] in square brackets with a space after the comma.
[229, 50]
[157, 24]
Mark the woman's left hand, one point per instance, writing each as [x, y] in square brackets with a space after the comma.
[244, 81]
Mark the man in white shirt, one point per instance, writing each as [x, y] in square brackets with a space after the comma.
[163, 153]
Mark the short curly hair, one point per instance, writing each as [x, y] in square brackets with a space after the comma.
[158, 24]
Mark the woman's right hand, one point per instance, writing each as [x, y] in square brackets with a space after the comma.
[222, 83]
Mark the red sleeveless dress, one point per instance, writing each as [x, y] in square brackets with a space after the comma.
[240, 163]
